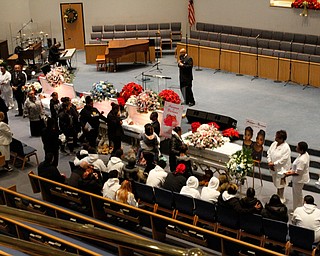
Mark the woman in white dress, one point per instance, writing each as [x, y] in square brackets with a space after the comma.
[300, 173]
[279, 161]
[5, 140]
[5, 87]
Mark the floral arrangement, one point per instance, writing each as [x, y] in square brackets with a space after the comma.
[169, 96]
[58, 76]
[147, 101]
[231, 133]
[132, 100]
[195, 126]
[103, 90]
[207, 136]
[34, 86]
[239, 165]
[130, 89]
[309, 4]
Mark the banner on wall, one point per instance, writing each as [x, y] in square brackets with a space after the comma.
[171, 118]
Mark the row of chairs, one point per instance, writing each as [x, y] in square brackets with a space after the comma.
[269, 47]
[266, 34]
[222, 219]
[168, 32]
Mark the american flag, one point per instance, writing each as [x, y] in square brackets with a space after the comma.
[191, 14]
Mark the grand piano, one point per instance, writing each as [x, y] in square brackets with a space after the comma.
[119, 48]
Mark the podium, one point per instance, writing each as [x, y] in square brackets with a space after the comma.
[160, 85]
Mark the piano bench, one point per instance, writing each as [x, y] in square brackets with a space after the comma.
[101, 62]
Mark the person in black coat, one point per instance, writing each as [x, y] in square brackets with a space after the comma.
[250, 201]
[174, 147]
[185, 65]
[50, 140]
[18, 79]
[90, 121]
[275, 209]
[229, 200]
[54, 106]
[91, 181]
[115, 130]
[48, 170]
[175, 180]
[155, 123]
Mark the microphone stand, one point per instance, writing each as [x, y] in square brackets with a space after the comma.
[290, 64]
[218, 69]
[278, 71]
[239, 61]
[198, 68]
[305, 86]
[158, 42]
[257, 59]
[20, 31]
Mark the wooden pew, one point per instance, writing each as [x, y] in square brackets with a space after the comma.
[160, 226]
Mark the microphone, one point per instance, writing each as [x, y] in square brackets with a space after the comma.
[257, 36]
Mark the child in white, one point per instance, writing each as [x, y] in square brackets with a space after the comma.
[191, 188]
[210, 193]
[157, 175]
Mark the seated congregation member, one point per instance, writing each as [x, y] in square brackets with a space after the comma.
[176, 180]
[275, 210]
[150, 163]
[116, 163]
[191, 188]
[76, 174]
[230, 200]
[91, 181]
[155, 123]
[174, 147]
[308, 216]
[50, 139]
[90, 121]
[111, 186]
[125, 195]
[250, 201]
[130, 170]
[205, 178]
[94, 160]
[82, 153]
[115, 130]
[33, 109]
[183, 158]
[157, 175]
[210, 193]
[223, 182]
[149, 142]
[48, 170]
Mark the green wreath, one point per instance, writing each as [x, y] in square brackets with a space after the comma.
[70, 15]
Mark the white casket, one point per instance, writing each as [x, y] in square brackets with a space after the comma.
[134, 125]
[217, 157]
[64, 90]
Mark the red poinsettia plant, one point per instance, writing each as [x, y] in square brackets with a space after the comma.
[215, 125]
[130, 89]
[231, 133]
[169, 96]
[310, 4]
[195, 126]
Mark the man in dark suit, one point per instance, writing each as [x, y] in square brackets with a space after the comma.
[54, 55]
[185, 65]
[18, 79]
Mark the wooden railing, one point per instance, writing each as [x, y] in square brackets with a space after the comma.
[106, 209]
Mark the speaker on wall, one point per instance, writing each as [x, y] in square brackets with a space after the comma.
[203, 117]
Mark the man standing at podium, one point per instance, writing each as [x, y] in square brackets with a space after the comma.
[185, 65]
